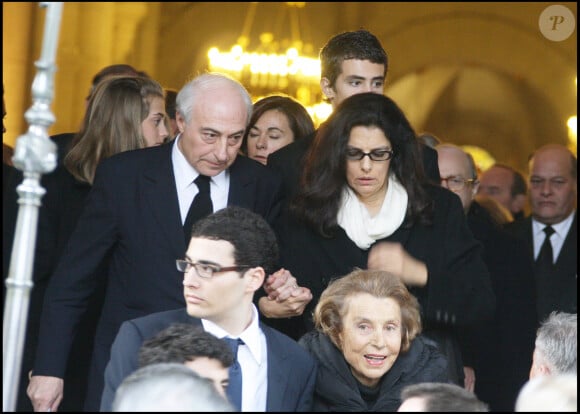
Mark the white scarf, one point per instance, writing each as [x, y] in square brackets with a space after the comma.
[363, 229]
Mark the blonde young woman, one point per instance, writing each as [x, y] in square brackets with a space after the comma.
[123, 113]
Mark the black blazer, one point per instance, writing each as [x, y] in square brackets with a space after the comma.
[291, 370]
[560, 292]
[131, 218]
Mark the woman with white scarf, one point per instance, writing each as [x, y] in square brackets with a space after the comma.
[364, 202]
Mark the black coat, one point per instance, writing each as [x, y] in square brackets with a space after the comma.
[458, 291]
[131, 219]
[500, 351]
[338, 390]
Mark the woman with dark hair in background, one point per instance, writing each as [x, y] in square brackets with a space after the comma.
[276, 121]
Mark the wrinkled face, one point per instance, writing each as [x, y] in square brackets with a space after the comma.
[368, 178]
[213, 370]
[153, 127]
[496, 182]
[358, 76]
[553, 190]
[222, 297]
[270, 133]
[371, 337]
[211, 140]
[454, 166]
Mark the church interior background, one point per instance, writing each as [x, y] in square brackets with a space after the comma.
[496, 77]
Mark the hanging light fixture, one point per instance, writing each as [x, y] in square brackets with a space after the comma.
[294, 71]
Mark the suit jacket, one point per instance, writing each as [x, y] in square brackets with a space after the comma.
[63, 144]
[132, 219]
[559, 292]
[58, 214]
[500, 350]
[288, 160]
[291, 370]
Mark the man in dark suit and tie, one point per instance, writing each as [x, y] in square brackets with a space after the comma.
[228, 257]
[551, 231]
[134, 219]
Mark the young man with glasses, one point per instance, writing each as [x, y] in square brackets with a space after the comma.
[228, 257]
[132, 228]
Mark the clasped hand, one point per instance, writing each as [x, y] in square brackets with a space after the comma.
[285, 297]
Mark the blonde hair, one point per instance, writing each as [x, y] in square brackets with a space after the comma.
[112, 123]
[333, 303]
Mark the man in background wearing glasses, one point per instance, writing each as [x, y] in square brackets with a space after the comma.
[229, 255]
[496, 354]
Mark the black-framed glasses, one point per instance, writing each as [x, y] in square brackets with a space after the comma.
[383, 154]
[205, 270]
[456, 183]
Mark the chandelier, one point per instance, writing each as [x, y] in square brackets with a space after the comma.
[286, 65]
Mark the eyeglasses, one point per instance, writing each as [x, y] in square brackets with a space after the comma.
[456, 183]
[205, 270]
[355, 154]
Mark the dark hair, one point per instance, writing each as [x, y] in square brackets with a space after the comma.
[170, 95]
[298, 117]
[182, 342]
[360, 44]
[253, 239]
[324, 177]
[442, 397]
[113, 70]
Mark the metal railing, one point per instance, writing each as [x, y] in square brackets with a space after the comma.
[34, 155]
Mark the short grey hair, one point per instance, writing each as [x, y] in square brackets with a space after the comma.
[557, 342]
[186, 97]
[168, 387]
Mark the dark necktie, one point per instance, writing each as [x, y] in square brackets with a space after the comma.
[546, 297]
[200, 207]
[234, 390]
[546, 256]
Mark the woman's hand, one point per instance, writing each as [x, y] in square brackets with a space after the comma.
[393, 258]
[285, 298]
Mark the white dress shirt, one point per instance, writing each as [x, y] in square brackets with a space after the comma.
[184, 175]
[560, 232]
[253, 359]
